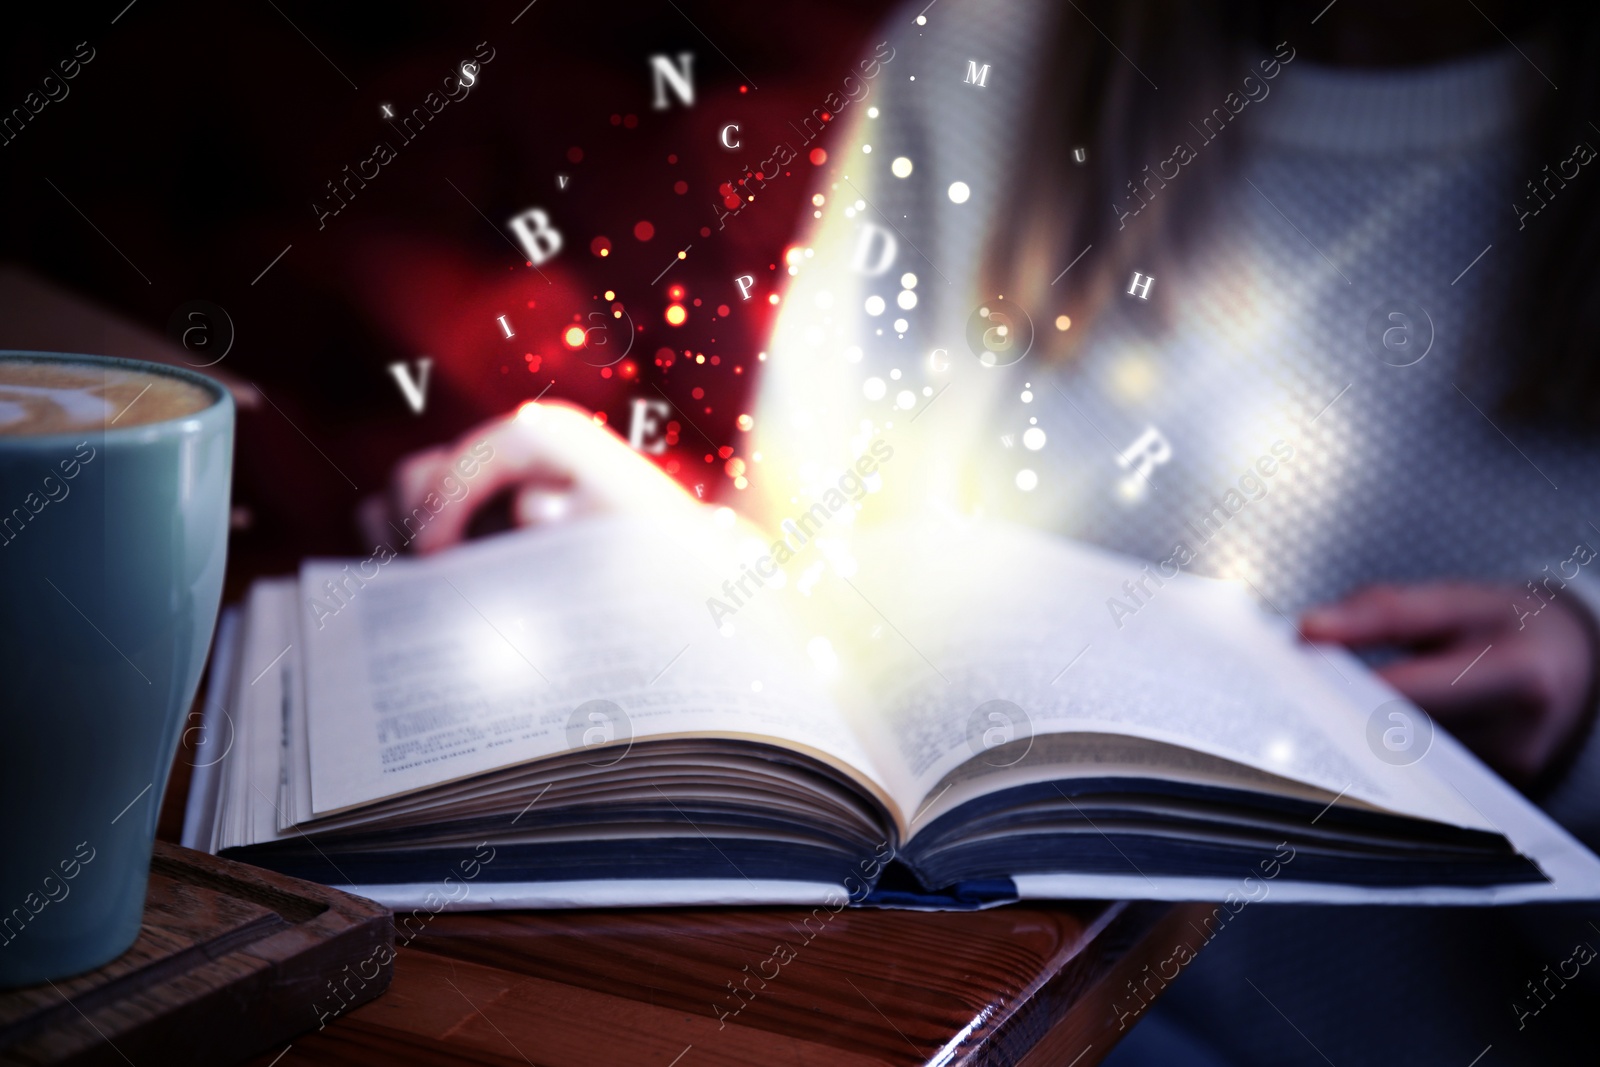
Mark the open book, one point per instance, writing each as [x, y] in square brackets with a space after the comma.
[615, 711]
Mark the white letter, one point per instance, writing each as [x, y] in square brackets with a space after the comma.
[539, 239]
[744, 282]
[415, 391]
[1142, 291]
[975, 76]
[644, 422]
[666, 74]
[1146, 454]
[723, 136]
[869, 231]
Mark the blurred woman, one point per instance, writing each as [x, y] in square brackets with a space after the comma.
[1089, 264]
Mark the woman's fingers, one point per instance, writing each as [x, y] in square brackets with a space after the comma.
[1517, 695]
[553, 458]
[602, 466]
[1466, 677]
[1407, 615]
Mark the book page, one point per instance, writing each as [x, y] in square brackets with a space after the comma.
[1001, 633]
[531, 644]
[268, 683]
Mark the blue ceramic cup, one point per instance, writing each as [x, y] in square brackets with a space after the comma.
[112, 544]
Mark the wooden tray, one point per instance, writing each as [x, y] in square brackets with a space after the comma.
[231, 961]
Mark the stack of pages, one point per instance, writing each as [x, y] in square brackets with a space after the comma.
[621, 711]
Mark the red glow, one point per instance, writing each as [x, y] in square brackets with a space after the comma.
[600, 246]
[630, 121]
[722, 310]
[818, 157]
[644, 230]
[574, 154]
[675, 292]
[676, 315]
[680, 187]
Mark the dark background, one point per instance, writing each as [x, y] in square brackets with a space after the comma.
[198, 137]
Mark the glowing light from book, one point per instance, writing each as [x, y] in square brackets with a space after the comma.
[1027, 480]
[823, 657]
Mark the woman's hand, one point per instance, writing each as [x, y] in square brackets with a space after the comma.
[552, 459]
[1520, 705]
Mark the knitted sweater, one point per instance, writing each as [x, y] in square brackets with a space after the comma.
[1357, 194]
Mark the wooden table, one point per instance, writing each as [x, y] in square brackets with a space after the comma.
[1015, 985]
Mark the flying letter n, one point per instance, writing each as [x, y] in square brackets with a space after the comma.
[678, 77]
